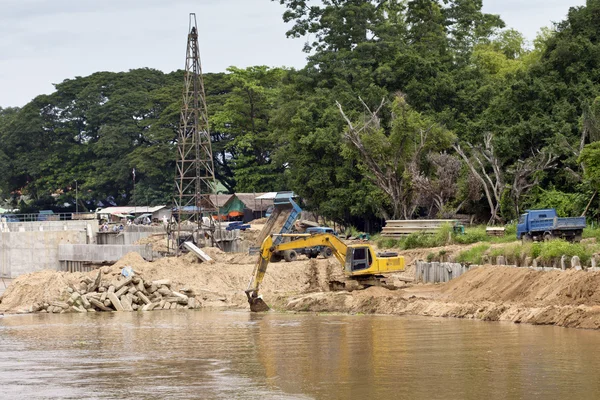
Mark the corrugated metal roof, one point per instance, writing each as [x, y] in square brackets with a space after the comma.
[130, 210]
[252, 202]
[267, 196]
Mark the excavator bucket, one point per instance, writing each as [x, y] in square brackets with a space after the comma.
[257, 304]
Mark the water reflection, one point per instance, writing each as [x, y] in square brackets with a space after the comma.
[187, 354]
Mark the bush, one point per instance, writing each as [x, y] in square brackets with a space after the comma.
[592, 232]
[385, 242]
[443, 236]
[555, 249]
[417, 241]
[474, 255]
[472, 235]
[511, 230]
[535, 249]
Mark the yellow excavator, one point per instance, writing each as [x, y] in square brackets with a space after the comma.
[362, 266]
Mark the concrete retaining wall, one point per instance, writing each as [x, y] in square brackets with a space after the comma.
[49, 226]
[438, 272]
[100, 253]
[130, 235]
[22, 252]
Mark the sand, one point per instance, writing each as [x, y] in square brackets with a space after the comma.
[158, 242]
[493, 293]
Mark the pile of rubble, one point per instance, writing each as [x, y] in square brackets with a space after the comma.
[123, 294]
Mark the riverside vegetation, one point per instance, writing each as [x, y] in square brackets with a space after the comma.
[422, 108]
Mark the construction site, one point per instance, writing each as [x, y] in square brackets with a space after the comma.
[194, 258]
[427, 270]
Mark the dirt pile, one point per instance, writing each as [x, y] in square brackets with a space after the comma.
[119, 291]
[36, 287]
[525, 286]
[220, 284]
[565, 298]
[158, 242]
[489, 293]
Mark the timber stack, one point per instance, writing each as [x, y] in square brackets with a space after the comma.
[131, 293]
[397, 228]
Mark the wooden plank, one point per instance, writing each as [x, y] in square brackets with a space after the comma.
[198, 252]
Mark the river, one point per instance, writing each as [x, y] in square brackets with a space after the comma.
[239, 355]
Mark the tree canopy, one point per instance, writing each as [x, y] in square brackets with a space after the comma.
[404, 109]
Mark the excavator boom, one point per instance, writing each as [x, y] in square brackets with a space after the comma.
[359, 261]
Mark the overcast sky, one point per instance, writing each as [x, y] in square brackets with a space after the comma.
[46, 41]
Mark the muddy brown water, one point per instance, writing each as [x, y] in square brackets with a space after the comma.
[239, 355]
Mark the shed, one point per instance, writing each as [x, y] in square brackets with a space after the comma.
[112, 213]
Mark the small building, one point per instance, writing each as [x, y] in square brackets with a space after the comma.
[115, 214]
[241, 206]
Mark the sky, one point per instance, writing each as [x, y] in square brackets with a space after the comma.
[43, 42]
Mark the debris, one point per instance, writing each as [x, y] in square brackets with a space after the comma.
[129, 294]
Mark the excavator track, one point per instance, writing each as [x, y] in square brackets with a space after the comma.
[360, 283]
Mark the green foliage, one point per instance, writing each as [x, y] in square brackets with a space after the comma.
[385, 242]
[418, 240]
[554, 249]
[446, 70]
[474, 255]
[592, 232]
[590, 158]
[507, 206]
[472, 235]
[566, 204]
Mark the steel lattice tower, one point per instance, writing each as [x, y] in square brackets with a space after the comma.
[195, 176]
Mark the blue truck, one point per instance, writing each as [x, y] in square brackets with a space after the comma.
[313, 252]
[537, 225]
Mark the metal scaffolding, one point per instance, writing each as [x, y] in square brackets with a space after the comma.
[195, 176]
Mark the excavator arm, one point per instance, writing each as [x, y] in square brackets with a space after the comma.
[268, 248]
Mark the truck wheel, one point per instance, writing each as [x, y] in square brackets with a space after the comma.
[290, 255]
[548, 236]
[527, 238]
[326, 252]
[275, 258]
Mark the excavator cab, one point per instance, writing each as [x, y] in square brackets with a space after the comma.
[358, 258]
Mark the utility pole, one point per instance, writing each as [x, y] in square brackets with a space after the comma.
[133, 173]
[76, 199]
[195, 176]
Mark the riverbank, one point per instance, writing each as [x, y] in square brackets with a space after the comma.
[491, 293]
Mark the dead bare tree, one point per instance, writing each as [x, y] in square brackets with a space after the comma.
[442, 187]
[390, 171]
[526, 174]
[486, 167]
[490, 171]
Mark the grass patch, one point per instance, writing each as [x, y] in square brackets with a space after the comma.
[446, 236]
[474, 255]
[555, 249]
[592, 232]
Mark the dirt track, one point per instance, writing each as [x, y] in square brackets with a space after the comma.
[567, 299]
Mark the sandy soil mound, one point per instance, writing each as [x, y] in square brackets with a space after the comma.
[218, 284]
[158, 242]
[525, 286]
[564, 298]
[489, 293]
[42, 286]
